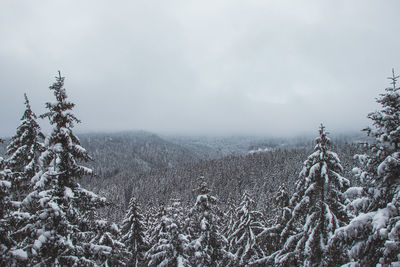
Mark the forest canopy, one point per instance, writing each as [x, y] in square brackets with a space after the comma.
[150, 201]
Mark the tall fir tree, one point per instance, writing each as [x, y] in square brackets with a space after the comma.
[318, 209]
[153, 218]
[22, 164]
[6, 243]
[24, 150]
[282, 196]
[272, 234]
[228, 220]
[373, 236]
[107, 241]
[134, 233]
[62, 227]
[244, 243]
[207, 243]
[171, 248]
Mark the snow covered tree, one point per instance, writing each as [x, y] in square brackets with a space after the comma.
[373, 236]
[150, 213]
[153, 221]
[271, 235]
[282, 196]
[176, 211]
[248, 224]
[133, 233]
[108, 250]
[318, 209]
[171, 248]
[6, 243]
[207, 243]
[61, 227]
[24, 151]
[283, 215]
[229, 217]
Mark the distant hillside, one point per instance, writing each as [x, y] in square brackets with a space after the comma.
[260, 173]
[209, 147]
[130, 152]
[155, 168]
[133, 152]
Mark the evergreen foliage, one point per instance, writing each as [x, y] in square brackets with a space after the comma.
[153, 222]
[318, 209]
[228, 220]
[244, 243]
[133, 233]
[6, 243]
[24, 150]
[106, 247]
[372, 237]
[60, 228]
[207, 243]
[171, 248]
[48, 219]
[271, 235]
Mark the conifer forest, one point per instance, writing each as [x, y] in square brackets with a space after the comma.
[142, 199]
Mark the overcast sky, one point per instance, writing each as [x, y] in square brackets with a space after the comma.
[200, 67]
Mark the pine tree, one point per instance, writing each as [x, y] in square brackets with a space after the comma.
[24, 151]
[171, 248]
[62, 226]
[6, 243]
[107, 241]
[153, 222]
[207, 243]
[243, 242]
[133, 233]
[150, 215]
[176, 212]
[373, 236]
[282, 196]
[282, 200]
[229, 217]
[272, 234]
[318, 209]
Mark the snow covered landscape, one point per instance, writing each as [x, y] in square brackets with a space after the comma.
[185, 217]
[199, 133]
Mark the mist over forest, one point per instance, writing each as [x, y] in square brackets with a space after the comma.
[141, 199]
[199, 133]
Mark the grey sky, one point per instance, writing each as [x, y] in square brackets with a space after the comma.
[237, 67]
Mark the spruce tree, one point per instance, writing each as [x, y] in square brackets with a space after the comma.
[229, 217]
[153, 222]
[284, 211]
[373, 236]
[133, 233]
[171, 248]
[107, 241]
[248, 224]
[207, 243]
[22, 164]
[62, 226]
[282, 196]
[6, 243]
[318, 209]
[272, 234]
[24, 151]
